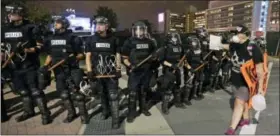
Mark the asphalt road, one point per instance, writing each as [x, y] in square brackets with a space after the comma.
[208, 116]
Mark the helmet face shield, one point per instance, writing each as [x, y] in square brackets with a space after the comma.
[175, 38]
[14, 13]
[194, 43]
[139, 31]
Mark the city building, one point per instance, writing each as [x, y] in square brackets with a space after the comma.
[273, 16]
[253, 14]
[200, 19]
[182, 23]
[224, 17]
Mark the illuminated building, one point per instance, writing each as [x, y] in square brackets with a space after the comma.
[273, 16]
[200, 19]
[182, 23]
[252, 14]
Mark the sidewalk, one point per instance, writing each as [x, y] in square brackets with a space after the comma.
[33, 125]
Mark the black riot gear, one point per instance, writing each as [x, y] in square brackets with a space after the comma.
[172, 54]
[193, 79]
[139, 29]
[135, 50]
[23, 68]
[66, 46]
[104, 58]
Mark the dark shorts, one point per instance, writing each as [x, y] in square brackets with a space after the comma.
[241, 92]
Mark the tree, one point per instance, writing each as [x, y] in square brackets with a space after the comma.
[148, 24]
[109, 14]
[38, 14]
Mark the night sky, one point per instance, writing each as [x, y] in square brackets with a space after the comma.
[127, 11]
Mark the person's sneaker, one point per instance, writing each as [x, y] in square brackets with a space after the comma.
[230, 131]
[244, 122]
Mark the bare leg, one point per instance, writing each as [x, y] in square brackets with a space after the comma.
[246, 112]
[237, 113]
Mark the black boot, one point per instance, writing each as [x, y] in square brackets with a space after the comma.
[68, 104]
[143, 104]
[222, 82]
[177, 100]
[186, 94]
[199, 91]
[195, 89]
[42, 105]
[211, 84]
[131, 107]
[28, 109]
[105, 108]
[83, 112]
[115, 114]
[216, 82]
[4, 116]
[165, 101]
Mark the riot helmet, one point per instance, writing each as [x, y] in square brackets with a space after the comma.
[101, 24]
[174, 38]
[15, 13]
[193, 42]
[139, 29]
[201, 32]
[61, 24]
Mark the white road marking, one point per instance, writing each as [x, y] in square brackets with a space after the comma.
[251, 129]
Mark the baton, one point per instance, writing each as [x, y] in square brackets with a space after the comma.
[199, 67]
[59, 63]
[12, 55]
[105, 76]
[146, 59]
[207, 54]
[180, 62]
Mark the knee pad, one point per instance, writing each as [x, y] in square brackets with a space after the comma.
[64, 95]
[79, 97]
[113, 96]
[36, 92]
[23, 93]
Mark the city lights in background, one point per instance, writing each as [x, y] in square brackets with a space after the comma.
[161, 17]
[262, 20]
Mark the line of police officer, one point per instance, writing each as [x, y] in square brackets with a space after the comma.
[103, 56]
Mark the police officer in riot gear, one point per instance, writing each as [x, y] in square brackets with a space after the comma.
[203, 37]
[172, 55]
[18, 36]
[135, 50]
[195, 78]
[62, 45]
[103, 59]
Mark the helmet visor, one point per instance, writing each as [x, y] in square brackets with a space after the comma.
[139, 31]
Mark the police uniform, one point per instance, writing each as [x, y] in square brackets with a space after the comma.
[173, 52]
[103, 56]
[24, 67]
[68, 75]
[136, 50]
[195, 80]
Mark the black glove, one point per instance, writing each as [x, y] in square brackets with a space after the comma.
[132, 67]
[118, 74]
[174, 67]
[91, 76]
[70, 58]
[43, 69]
